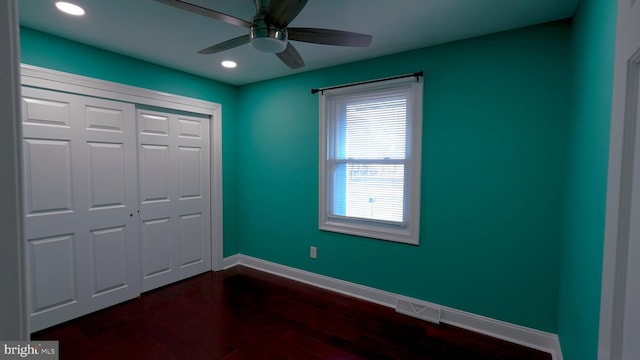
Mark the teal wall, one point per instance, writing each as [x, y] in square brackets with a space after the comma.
[44, 50]
[496, 113]
[593, 39]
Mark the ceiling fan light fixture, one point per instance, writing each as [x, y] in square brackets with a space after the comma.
[69, 8]
[269, 45]
[267, 38]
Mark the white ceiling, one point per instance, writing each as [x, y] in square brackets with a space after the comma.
[164, 35]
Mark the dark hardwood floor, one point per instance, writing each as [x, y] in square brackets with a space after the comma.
[242, 313]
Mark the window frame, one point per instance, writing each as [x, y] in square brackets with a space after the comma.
[403, 232]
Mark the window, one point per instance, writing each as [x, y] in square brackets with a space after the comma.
[370, 146]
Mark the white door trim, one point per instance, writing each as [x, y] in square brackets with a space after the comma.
[13, 311]
[55, 80]
[623, 201]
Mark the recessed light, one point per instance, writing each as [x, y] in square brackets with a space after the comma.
[229, 64]
[69, 8]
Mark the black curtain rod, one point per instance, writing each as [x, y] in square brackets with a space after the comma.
[417, 75]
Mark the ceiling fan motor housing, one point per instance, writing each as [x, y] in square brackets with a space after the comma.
[266, 37]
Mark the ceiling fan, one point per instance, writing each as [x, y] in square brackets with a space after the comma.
[268, 31]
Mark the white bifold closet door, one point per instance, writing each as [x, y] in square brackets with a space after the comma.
[117, 202]
[80, 189]
[173, 151]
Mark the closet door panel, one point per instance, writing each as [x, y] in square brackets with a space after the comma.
[108, 254]
[107, 182]
[112, 230]
[80, 194]
[174, 196]
[156, 248]
[51, 142]
[54, 272]
[47, 176]
[194, 195]
[191, 239]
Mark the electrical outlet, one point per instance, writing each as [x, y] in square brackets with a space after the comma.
[313, 252]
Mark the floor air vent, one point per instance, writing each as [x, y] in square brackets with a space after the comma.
[420, 311]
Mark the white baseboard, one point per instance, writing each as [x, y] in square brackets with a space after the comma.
[517, 334]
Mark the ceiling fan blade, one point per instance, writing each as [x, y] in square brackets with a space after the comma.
[281, 13]
[241, 40]
[206, 12]
[329, 37]
[291, 57]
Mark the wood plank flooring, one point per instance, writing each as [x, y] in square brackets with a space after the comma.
[242, 313]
